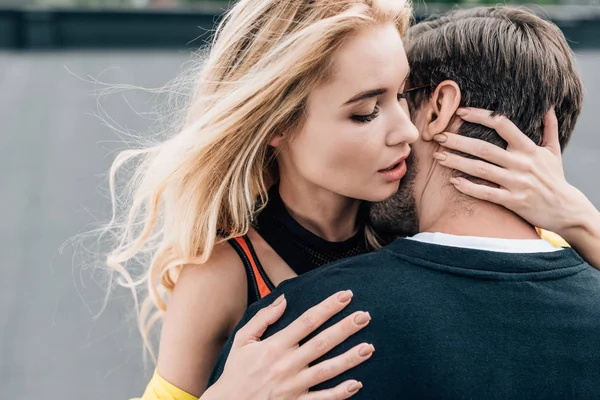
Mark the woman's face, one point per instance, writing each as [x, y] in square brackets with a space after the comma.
[357, 129]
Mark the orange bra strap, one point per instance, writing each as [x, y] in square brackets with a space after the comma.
[254, 270]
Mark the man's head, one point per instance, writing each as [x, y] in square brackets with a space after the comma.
[497, 58]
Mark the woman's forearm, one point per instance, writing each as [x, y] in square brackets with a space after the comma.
[216, 392]
[583, 234]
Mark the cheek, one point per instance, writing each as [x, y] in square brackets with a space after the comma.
[343, 160]
[339, 152]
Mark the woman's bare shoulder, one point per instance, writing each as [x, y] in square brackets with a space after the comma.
[207, 302]
[220, 284]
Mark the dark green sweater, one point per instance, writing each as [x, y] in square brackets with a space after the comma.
[453, 323]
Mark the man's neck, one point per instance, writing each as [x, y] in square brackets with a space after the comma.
[456, 214]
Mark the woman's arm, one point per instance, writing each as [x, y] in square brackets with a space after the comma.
[207, 303]
[583, 233]
[530, 178]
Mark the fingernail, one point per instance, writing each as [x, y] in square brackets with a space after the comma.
[440, 138]
[278, 301]
[354, 387]
[454, 181]
[362, 318]
[440, 156]
[366, 350]
[461, 112]
[345, 296]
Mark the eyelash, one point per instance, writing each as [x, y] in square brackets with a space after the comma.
[363, 119]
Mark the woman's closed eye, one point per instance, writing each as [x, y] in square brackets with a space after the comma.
[364, 118]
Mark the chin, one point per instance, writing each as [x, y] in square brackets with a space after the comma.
[381, 193]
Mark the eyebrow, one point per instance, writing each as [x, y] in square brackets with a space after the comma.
[365, 95]
[372, 93]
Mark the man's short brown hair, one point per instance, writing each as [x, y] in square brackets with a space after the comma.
[503, 59]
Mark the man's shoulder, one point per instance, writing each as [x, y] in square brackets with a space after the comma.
[340, 270]
[327, 279]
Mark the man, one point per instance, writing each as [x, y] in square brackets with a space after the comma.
[475, 306]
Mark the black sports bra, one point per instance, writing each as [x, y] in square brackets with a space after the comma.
[301, 249]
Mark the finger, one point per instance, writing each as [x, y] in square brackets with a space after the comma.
[333, 367]
[502, 125]
[550, 139]
[481, 192]
[475, 147]
[344, 390]
[331, 337]
[256, 327]
[476, 168]
[314, 318]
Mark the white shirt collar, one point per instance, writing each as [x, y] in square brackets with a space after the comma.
[486, 243]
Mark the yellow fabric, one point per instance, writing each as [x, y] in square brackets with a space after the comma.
[553, 238]
[159, 389]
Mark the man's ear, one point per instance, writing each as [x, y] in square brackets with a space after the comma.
[444, 102]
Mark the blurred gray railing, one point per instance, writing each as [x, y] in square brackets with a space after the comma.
[56, 28]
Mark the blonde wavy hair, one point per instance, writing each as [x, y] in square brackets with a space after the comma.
[204, 184]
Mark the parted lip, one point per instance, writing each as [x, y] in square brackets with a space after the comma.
[398, 161]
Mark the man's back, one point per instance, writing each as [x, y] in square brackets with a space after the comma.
[453, 323]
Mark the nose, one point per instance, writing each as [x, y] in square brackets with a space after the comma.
[402, 130]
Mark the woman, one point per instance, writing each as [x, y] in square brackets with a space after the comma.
[278, 100]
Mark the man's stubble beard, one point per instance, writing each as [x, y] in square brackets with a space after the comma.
[397, 216]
